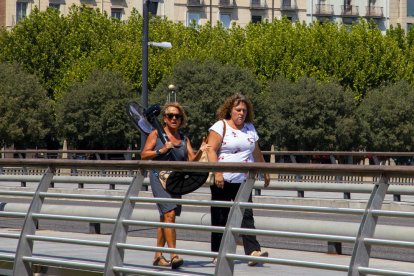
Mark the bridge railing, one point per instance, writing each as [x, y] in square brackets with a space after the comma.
[305, 157]
[367, 236]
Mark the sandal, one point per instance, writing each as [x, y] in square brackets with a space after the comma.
[161, 261]
[176, 262]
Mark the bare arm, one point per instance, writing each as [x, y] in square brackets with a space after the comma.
[215, 140]
[190, 152]
[149, 152]
[258, 157]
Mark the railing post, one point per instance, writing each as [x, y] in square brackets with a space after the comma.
[362, 251]
[115, 255]
[397, 197]
[229, 239]
[25, 246]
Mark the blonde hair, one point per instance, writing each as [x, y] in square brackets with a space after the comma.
[181, 110]
[223, 112]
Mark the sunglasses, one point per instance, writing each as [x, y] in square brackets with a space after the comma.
[173, 115]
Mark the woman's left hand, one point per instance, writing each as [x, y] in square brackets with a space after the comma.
[205, 147]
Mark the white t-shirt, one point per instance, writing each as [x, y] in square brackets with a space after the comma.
[238, 146]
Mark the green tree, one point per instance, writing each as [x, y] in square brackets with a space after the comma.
[91, 115]
[387, 117]
[25, 110]
[305, 115]
[201, 88]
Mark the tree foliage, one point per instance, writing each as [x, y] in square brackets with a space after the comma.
[91, 115]
[63, 51]
[308, 116]
[388, 119]
[25, 110]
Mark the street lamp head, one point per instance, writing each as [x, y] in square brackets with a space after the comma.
[171, 87]
[163, 44]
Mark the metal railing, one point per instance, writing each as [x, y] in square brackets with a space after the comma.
[288, 5]
[324, 9]
[349, 10]
[373, 11]
[25, 257]
[258, 4]
[195, 3]
[331, 157]
[226, 3]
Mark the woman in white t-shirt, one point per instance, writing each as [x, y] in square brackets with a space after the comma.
[239, 144]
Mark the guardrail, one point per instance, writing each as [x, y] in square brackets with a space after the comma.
[25, 258]
[326, 157]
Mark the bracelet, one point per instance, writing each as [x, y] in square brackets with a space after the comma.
[158, 152]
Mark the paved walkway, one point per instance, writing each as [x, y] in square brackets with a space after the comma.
[193, 265]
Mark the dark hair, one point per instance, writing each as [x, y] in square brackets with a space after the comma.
[180, 108]
[223, 112]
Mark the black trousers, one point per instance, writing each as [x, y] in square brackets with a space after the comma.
[219, 217]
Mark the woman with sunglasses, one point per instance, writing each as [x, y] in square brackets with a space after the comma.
[173, 118]
[233, 138]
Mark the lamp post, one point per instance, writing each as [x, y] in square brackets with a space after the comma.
[145, 44]
[171, 93]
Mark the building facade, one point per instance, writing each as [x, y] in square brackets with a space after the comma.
[383, 12]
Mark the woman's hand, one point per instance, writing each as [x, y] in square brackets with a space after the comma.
[219, 180]
[167, 146]
[205, 147]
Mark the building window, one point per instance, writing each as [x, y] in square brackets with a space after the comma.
[116, 13]
[193, 18]
[225, 19]
[410, 8]
[409, 26]
[256, 18]
[54, 6]
[153, 7]
[21, 9]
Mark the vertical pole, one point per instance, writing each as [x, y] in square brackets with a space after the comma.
[115, 254]
[362, 251]
[311, 12]
[144, 92]
[25, 245]
[211, 13]
[229, 241]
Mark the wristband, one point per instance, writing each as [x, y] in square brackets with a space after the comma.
[158, 152]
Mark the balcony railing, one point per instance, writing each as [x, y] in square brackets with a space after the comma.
[257, 4]
[324, 10]
[372, 11]
[350, 10]
[288, 5]
[195, 3]
[227, 4]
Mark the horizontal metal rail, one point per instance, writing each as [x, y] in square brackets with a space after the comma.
[175, 225]
[291, 168]
[167, 250]
[266, 152]
[66, 240]
[385, 272]
[382, 242]
[244, 231]
[288, 262]
[69, 264]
